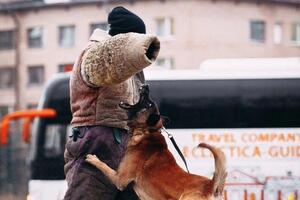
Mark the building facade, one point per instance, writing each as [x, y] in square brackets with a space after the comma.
[39, 39]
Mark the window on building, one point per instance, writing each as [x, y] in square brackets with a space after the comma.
[7, 39]
[257, 31]
[165, 63]
[7, 78]
[66, 36]
[165, 27]
[65, 67]
[102, 25]
[277, 31]
[35, 37]
[36, 75]
[296, 33]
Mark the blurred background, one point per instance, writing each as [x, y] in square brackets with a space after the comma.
[41, 38]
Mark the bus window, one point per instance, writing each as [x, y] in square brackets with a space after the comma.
[229, 103]
[204, 113]
[55, 139]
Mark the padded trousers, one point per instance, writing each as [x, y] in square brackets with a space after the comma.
[86, 182]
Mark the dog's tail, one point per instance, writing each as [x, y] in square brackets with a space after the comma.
[220, 174]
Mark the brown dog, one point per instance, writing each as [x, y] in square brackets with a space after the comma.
[151, 167]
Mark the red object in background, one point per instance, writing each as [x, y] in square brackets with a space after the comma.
[262, 195]
[28, 115]
[279, 195]
[245, 195]
[225, 195]
[68, 67]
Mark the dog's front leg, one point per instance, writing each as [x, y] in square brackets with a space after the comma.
[118, 180]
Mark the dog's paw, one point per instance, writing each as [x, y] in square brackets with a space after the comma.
[92, 159]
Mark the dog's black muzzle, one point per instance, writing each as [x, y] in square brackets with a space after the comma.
[145, 102]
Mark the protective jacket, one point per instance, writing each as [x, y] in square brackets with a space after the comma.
[108, 71]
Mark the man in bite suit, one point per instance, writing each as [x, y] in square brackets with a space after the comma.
[107, 72]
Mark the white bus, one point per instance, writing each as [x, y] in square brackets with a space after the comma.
[254, 118]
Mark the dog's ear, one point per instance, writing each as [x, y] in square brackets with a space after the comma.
[153, 119]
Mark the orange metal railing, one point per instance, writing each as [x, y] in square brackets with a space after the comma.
[28, 116]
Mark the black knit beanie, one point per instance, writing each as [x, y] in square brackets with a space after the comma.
[122, 20]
